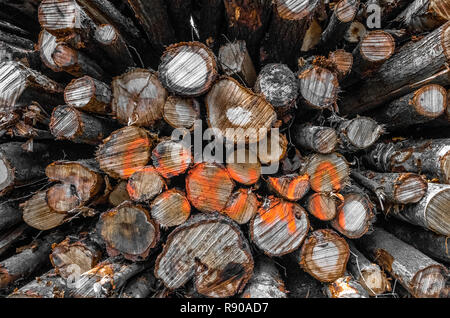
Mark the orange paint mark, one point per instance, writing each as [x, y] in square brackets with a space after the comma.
[317, 208]
[279, 210]
[341, 219]
[325, 168]
[128, 161]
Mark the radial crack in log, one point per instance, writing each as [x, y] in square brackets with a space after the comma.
[138, 98]
[212, 250]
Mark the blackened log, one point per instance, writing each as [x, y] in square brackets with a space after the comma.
[19, 85]
[154, 19]
[290, 21]
[235, 61]
[432, 244]
[29, 260]
[10, 214]
[419, 107]
[397, 188]
[248, 21]
[114, 46]
[344, 13]
[180, 13]
[421, 16]
[18, 167]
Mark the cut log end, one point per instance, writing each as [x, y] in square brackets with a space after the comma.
[187, 69]
[237, 112]
[6, 175]
[273, 148]
[360, 133]
[37, 213]
[170, 208]
[62, 198]
[243, 166]
[124, 152]
[89, 94]
[354, 217]
[410, 188]
[242, 206]
[279, 227]
[319, 87]
[181, 112]
[290, 187]
[346, 10]
[343, 61]
[210, 249]
[324, 255]
[277, 83]
[322, 205]
[436, 211]
[128, 230]
[327, 173]
[58, 16]
[209, 187]
[138, 98]
[106, 34]
[74, 257]
[235, 61]
[377, 46]
[65, 123]
[145, 184]
[430, 101]
[171, 158]
[295, 9]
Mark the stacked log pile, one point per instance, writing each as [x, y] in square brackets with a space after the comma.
[198, 148]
